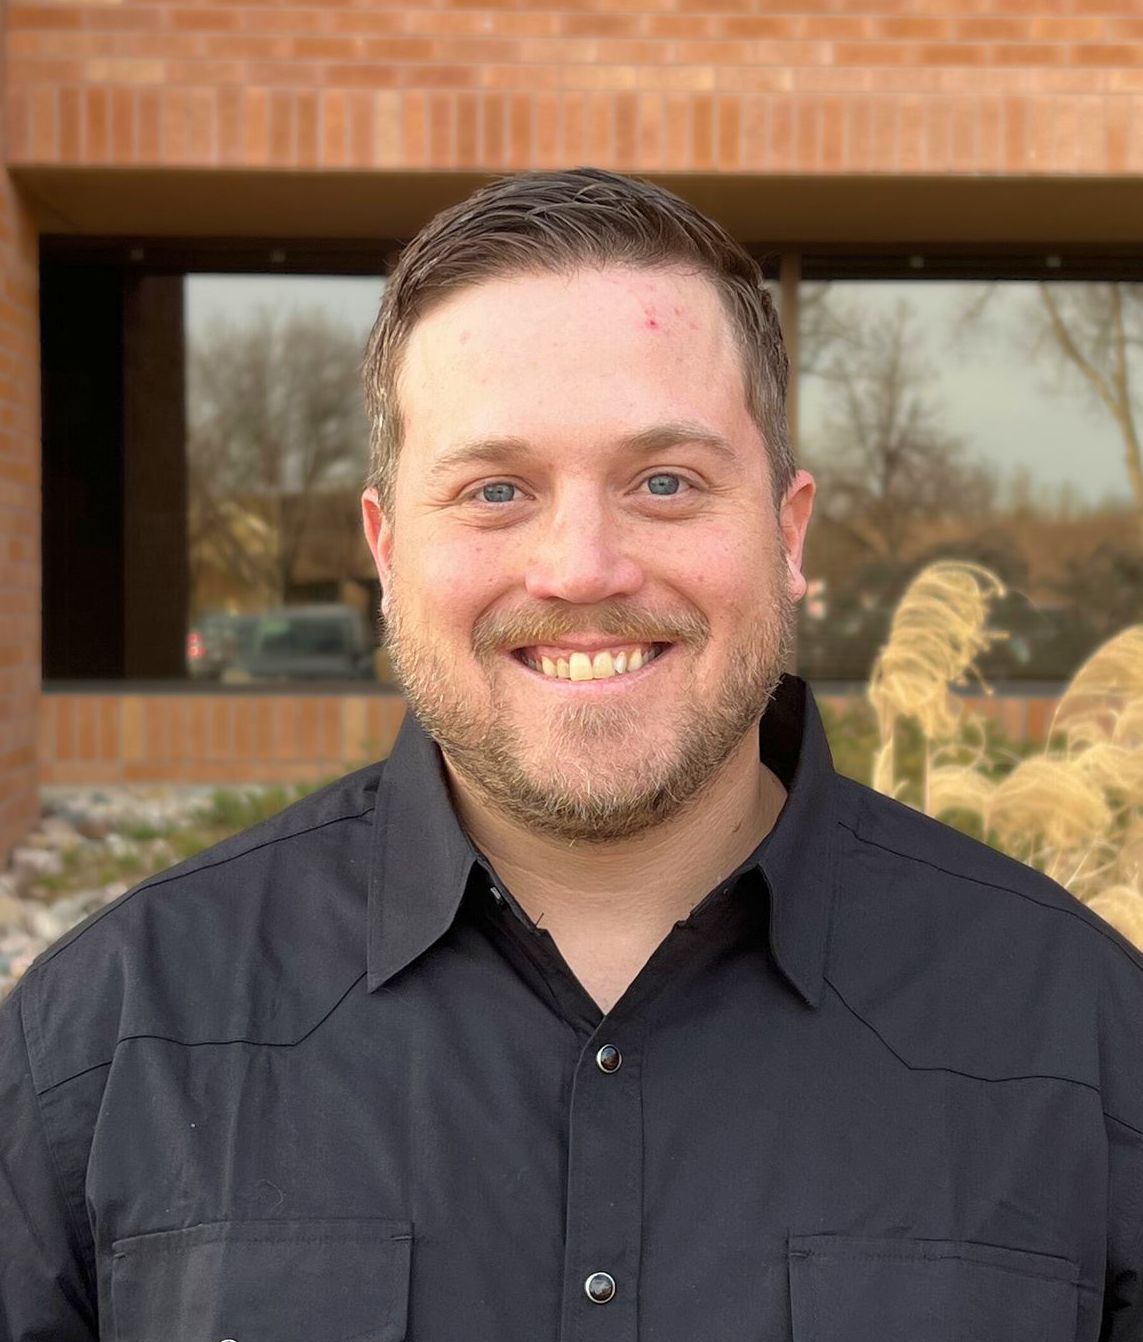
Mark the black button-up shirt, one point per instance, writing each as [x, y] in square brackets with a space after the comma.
[326, 1081]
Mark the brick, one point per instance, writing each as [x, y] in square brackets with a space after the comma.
[690, 25]
[207, 18]
[1016, 156]
[782, 134]
[415, 129]
[467, 129]
[334, 129]
[519, 130]
[70, 125]
[43, 125]
[86, 729]
[650, 120]
[149, 125]
[309, 728]
[808, 133]
[124, 71]
[990, 29]
[1056, 29]
[40, 17]
[123, 125]
[873, 53]
[97, 136]
[965, 130]
[714, 53]
[833, 145]
[282, 129]
[387, 129]
[231, 126]
[1117, 136]
[307, 110]
[573, 127]
[600, 25]
[1110, 54]
[360, 128]
[837, 27]
[937, 146]
[547, 130]
[441, 127]
[1026, 53]
[911, 131]
[703, 133]
[601, 129]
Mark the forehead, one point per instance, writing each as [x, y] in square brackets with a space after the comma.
[596, 352]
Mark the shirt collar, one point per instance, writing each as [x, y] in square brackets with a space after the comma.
[422, 859]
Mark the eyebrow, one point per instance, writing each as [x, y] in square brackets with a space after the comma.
[645, 443]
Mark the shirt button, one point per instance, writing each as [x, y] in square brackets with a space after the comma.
[600, 1287]
[609, 1059]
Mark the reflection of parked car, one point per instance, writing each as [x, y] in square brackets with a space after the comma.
[218, 641]
[328, 642]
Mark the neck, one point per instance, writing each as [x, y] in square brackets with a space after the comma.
[608, 906]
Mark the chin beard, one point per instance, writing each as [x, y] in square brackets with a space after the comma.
[568, 803]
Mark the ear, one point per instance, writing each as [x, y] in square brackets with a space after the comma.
[794, 517]
[379, 538]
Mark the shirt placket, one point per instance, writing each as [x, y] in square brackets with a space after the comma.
[603, 1233]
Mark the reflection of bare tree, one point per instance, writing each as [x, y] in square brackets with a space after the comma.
[1094, 328]
[274, 421]
[886, 465]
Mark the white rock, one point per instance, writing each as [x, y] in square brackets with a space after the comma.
[36, 862]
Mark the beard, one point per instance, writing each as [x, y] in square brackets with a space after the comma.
[576, 776]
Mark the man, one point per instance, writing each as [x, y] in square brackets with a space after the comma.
[604, 1009]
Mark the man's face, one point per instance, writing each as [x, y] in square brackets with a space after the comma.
[587, 588]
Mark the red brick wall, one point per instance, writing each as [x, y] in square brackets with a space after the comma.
[212, 738]
[19, 515]
[930, 86]
[91, 739]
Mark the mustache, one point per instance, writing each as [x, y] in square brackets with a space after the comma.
[627, 624]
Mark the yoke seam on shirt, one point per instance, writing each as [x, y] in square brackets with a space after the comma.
[209, 1043]
[993, 885]
[956, 1071]
[165, 878]
[972, 1076]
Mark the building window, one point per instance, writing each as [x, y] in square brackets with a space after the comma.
[996, 422]
[281, 583]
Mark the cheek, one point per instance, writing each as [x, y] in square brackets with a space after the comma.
[456, 577]
[729, 575]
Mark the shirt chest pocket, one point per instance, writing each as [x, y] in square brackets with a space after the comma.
[890, 1290]
[264, 1281]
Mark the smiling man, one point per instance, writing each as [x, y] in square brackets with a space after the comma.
[603, 1009]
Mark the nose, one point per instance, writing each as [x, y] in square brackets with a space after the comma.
[580, 556]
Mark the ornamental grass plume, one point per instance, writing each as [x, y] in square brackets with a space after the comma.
[939, 629]
[1075, 810]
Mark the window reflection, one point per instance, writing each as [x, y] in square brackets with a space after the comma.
[997, 423]
[282, 584]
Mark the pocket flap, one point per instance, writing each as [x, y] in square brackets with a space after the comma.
[845, 1289]
[264, 1281]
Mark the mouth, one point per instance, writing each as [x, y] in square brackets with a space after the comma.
[556, 663]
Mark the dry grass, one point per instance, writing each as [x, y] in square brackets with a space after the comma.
[1074, 811]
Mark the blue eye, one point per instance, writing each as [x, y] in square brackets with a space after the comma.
[500, 492]
[663, 484]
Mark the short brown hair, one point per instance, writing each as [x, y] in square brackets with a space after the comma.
[558, 222]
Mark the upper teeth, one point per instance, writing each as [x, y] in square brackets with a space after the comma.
[581, 666]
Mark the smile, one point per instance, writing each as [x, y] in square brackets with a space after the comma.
[574, 664]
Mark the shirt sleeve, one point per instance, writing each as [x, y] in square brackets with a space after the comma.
[44, 1291]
